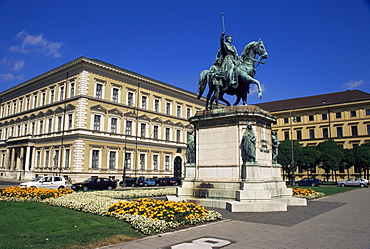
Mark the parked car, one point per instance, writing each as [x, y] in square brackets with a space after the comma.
[308, 182]
[95, 183]
[128, 182]
[142, 181]
[161, 182]
[48, 182]
[354, 182]
[174, 181]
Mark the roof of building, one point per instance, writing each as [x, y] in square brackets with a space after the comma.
[316, 100]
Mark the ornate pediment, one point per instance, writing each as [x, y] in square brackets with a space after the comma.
[59, 110]
[168, 122]
[25, 118]
[49, 112]
[144, 117]
[179, 124]
[98, 108]
[18, 120]
[115, 111]
[157, 120]
[70, 107]
[33, 116]
[41, 115]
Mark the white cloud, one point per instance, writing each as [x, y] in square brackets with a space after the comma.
[353, 84]
[10, 76]
[13, 64]
[36, 44]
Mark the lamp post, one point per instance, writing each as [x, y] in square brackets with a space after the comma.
[292, 116]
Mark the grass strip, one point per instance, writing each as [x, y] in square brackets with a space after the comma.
[32, 224]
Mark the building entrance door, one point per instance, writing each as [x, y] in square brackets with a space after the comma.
[177, 167]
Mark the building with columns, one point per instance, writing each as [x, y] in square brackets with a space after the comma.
[90, 118]
[341, 116]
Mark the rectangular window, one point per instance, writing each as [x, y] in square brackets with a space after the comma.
[143, 130]
[70, 121]
[127, 160]
[167, 163]
[168, 108]
[142, 161]
[354, 131]
[115, 95]
[367, 111]
[178, 136]
[18, 131]
[43, 98]
[35, 101]
[61, 93]
[155, 162]
[286, 135]
[20, 105]
[130, 98]
[312, 133]
[95, 159]
[155, 132]
[99, 91]
[112, 160]
[113, 125]
[50, 125]
[14, 108]
[66, 163]
[59, 124]
[167, 138]
[143, 101]
[47, 157]
[299, 135]
[325, 133]
[298, 119]
[56, 159]
[72, 90]
[52, 92]
[324, 116]
[33, 125]
[38, 159]
[311, 118]
[41, 131]
[28, 103]
[25, 129]
[156, 105]
[339, 132]
[368, 129]
[338, 115]
[178, 111]
[128, 128]
[97, 122]
[188, 113]
[286, 120]
[352, 113]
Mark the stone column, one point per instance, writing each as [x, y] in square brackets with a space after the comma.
[12, 159]
[7, 159]
[27, 159]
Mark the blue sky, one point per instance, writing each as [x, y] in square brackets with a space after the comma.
[314, 47]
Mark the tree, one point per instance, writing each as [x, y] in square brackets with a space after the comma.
[309, 158]
[362, 157]
[285, 154]
[331, 155]
[348, 160]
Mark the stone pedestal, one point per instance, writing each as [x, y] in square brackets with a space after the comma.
[221, 177]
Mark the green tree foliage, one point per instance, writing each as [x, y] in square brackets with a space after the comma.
[331, 156]
[349, 160]
[285, 154]
[309, 158]
[362, 157]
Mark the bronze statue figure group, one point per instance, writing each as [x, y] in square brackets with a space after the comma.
[230, 73]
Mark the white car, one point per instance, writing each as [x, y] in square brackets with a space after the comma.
[354, 182]
[48, 182]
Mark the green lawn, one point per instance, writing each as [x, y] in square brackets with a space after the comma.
[330, 190]
[32, 224]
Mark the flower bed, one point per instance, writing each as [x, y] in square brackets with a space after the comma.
[33, 194]
[306, 193]
[150, 217]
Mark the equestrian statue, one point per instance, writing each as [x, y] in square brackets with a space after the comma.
[230, 73]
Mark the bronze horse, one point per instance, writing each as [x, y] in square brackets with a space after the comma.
[245, 72]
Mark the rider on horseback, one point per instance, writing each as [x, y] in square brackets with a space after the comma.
[229, 56]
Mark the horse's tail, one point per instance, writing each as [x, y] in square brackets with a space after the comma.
[202, 83]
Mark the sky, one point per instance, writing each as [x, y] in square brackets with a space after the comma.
[315, 47]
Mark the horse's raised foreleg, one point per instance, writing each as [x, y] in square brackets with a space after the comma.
[210, 91]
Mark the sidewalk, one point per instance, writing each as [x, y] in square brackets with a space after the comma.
[339, 221]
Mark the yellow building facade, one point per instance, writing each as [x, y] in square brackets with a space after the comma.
[89, 118]
[342, 116]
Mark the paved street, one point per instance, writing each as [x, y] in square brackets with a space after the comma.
[339, 221]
